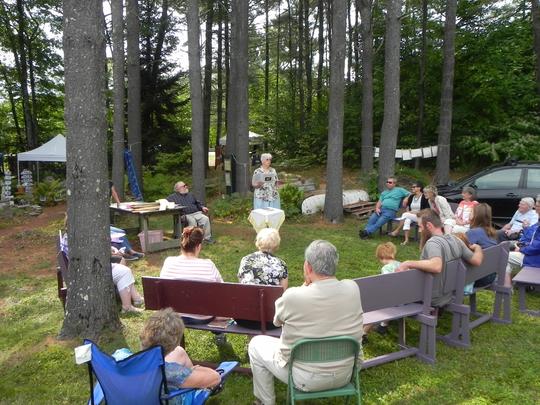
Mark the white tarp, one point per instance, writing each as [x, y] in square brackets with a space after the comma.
[315, 203]
[52, 151]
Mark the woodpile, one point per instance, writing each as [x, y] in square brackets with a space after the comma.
[360, 209]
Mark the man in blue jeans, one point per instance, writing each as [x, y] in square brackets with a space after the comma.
[386, 208]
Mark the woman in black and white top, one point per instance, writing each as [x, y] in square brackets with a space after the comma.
[415, 202]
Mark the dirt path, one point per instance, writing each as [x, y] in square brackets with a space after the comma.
[25, 248]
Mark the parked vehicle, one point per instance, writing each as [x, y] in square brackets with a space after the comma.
[501, 186]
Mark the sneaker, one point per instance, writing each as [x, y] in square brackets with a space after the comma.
[130, 258]
[209, 241]
[381, 330]
[363, 234]
[139, 303]
[138, 255]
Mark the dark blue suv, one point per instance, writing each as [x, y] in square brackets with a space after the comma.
[501, 186]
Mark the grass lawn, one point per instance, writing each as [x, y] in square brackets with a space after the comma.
[501, 367]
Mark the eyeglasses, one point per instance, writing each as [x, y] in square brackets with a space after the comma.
[415, 186]
[184, 186]
[389, 182]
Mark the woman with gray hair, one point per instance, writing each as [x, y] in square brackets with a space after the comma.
[265, 181]
[524, 217]
[262, 267]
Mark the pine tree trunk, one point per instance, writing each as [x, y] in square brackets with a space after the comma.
[91, 304]
[535, 11]
[266, 61]
[134, 86]
[31, 137]
[208, 78]
[390, 125]
[239, 92]
[333, 206]
[442, 171]
[309, 62]
[422, 83]
[197, 137]
[300, 71]
[117, 14]
[367, 85]
[13, 106]
[278, 70]
[320, 64]
[219, 95]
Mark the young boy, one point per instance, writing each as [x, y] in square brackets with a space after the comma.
[386, 253]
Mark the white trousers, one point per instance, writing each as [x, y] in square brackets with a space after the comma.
[408, 218]
[200, 220]
[263, 358]
[515, 261]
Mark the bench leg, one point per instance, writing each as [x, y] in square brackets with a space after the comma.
[428, 338]
[503, 302]
[459, 335]
[472, 304]
[402, 335]
[522, 298]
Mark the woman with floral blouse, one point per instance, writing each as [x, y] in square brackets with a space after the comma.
[265, 182]
[262, 267]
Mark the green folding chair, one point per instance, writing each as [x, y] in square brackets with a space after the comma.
[324, 351]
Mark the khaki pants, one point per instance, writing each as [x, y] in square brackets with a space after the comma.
[515, 261]
[200, 220]
[263, 352]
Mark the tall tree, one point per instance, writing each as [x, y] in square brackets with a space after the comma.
[117, 15]
[238, 126]
[219, 64]
[207, 89]
[333, 205]
[320, 44]
[366, 153]
[535, 11]
[197, 137]
[442, 171]
[422, 82]
[91, 303]
[390, 125]
[134, 85]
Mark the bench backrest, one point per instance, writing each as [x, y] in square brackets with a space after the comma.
[495, 260]
[242, 301]
[394, 289]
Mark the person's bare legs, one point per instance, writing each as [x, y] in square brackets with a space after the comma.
[395, 232]
[406, 237]
[135, 296]
[125, 298]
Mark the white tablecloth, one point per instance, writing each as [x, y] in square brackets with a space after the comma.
[266, 218]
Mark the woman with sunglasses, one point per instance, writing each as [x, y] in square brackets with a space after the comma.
[413, 204]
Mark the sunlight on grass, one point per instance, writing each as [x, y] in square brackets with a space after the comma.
[501, 366]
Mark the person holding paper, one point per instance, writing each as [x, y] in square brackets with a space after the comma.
[265, 183]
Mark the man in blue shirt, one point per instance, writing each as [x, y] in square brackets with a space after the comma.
[386, 208]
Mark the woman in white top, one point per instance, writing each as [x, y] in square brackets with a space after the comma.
[439, 204]
[188, 266]
[414, 203]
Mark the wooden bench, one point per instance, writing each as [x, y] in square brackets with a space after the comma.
[398, 296]
[231, 300]
[495, 259]
[527, 277]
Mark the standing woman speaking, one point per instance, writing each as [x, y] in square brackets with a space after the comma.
[265, 183]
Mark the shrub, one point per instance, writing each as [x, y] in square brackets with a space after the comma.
[159, 185]
[232, 207]
[49, 192]
[291, 200]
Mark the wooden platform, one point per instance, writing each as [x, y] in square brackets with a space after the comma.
[360, 209]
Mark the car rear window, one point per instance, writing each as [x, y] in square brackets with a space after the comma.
[501, 179]
[533, 178]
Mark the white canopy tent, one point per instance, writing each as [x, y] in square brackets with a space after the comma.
[52, 151]
[254, 138]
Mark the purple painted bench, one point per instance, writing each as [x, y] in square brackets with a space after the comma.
[527, 277]
[495, 259]
[398, 296]
[232, 300]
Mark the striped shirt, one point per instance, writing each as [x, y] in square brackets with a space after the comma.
[194, 269]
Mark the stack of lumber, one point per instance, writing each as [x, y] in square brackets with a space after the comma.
[143, 207]
[360, 208]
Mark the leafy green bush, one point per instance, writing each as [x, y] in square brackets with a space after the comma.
[291, 200]
[232, 207]
[172, 162]
[160, 185]
[49, 192]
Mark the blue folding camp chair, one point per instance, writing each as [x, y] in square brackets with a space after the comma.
[140, 379]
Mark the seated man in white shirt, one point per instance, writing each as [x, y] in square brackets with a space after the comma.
[322, 307]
